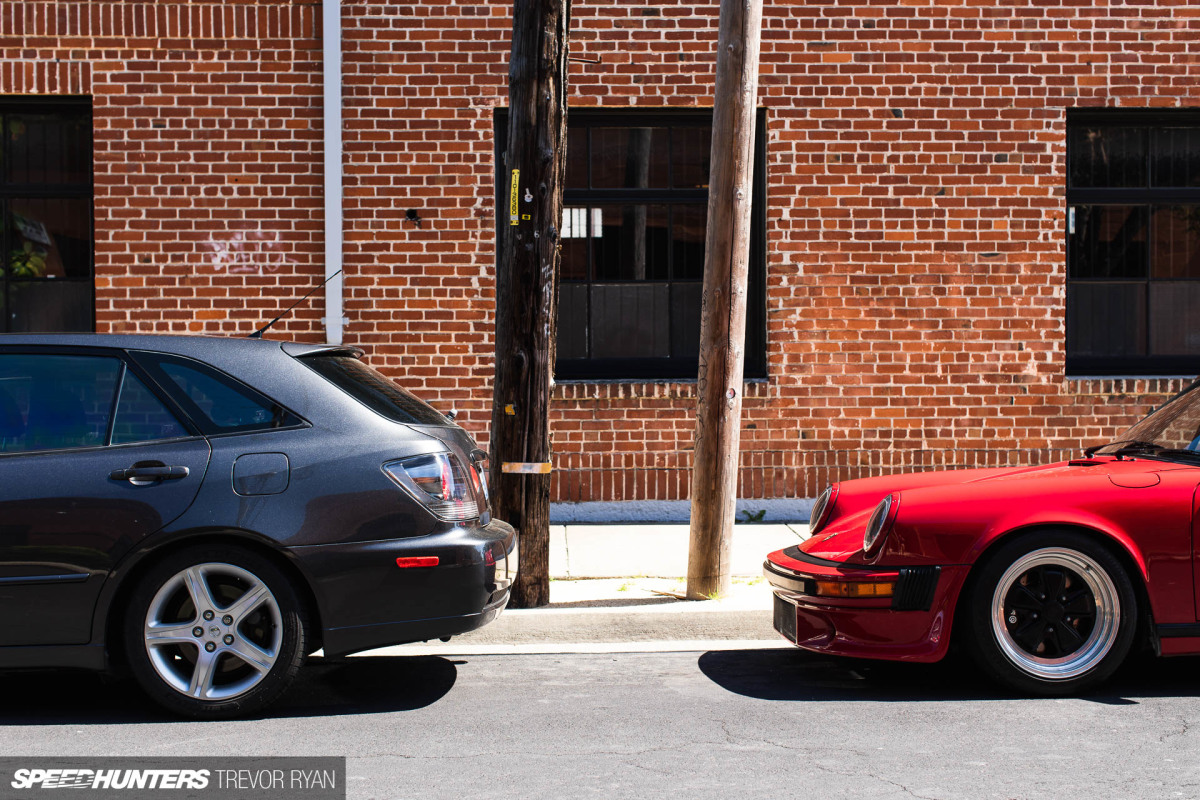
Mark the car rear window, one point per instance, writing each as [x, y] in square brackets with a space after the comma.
[374, 390]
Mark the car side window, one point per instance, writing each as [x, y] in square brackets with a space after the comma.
[55, 402]
[219, 403]
[142, 417]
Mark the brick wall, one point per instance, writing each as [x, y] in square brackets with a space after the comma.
[207, 152]
[916, 171]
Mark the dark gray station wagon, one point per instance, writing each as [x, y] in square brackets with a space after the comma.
[207, 512]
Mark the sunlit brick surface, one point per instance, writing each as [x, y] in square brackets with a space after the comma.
[916, 171]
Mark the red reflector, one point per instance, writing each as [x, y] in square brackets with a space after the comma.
[417, 561]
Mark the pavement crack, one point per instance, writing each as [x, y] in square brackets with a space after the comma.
[730, 738]
[901, 787]
[1184, 727]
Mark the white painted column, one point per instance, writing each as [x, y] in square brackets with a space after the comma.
[332, 47]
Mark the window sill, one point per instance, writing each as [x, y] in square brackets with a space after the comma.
[1109, 385]
[665, 388]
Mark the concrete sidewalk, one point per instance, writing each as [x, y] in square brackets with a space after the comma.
[619, 588]
[655, 551]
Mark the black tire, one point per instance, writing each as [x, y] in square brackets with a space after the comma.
[1050, 613]
[235, 653]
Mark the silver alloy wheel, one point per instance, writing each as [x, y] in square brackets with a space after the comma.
[213, 631]
[1055, 613]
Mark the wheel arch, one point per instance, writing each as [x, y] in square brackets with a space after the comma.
[1119, 547]
[110, 610]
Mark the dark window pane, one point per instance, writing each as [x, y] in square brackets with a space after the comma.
[1174, 318]
[1176, 250]
[685, 319]
[572, 320]
[577, 158]
[633, 239]
[1176, 157]
[375, 390]
[1108, 242]
[629, 158]
[50, 238]
[630, 320]
[1106, 319]
[691, 148]
[688, 226]
[1106, 156]
[49, 306]
[217, 401]
[142, 417]
[579, 226]
[46, 214]
[55, 402]
[631, 244]
[48, 148]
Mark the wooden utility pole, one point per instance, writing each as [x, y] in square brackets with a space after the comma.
[530, 219]
[723, 308]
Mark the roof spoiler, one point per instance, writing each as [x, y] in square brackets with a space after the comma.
[299, 350]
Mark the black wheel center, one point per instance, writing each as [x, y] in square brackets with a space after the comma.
[1053, 612]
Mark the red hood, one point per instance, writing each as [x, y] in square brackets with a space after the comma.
[841, 539]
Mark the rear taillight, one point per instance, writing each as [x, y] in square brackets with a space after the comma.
[479, 479]
[439, 482]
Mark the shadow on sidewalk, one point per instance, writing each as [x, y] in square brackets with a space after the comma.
[797, 675]
[363, 685]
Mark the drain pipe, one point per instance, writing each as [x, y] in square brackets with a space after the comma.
[332, 56]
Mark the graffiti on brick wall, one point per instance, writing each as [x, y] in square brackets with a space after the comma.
[254, 252]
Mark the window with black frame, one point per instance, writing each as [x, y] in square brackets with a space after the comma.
[46, 264]
[1133, 243]
[635, 206]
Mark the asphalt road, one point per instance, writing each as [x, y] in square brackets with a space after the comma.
[715, 724]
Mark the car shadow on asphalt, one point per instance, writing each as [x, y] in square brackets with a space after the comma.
[796, 675]
[360, 685]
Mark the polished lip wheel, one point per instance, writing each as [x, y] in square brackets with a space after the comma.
[1055, 613]
[213, 631]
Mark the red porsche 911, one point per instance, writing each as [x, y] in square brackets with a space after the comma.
[1048, 575]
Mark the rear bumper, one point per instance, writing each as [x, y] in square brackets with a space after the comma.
[366, 601]
[912, 625]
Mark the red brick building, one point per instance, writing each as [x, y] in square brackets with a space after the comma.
[978, 243]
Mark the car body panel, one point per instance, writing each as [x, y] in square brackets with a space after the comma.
[471, 578]
[67, 518]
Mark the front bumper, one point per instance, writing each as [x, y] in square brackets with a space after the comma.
[366, 601]
[912, 625]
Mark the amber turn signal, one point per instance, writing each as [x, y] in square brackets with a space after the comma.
[854, 589]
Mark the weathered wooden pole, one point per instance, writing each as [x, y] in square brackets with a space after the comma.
[723, 308]
[530, 219]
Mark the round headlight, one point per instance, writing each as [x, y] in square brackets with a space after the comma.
[878, 524]
[822, 509]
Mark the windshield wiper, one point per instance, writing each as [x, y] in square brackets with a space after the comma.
[1151, 449]
[1181, 452]
[1130, 446]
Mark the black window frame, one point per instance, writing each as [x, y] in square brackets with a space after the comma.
[38, 104]
[1147, 196]
[673, 369]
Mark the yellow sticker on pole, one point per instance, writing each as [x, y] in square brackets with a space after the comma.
[526, 468]
[513, 195]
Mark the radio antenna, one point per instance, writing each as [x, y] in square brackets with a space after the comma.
[258, 333]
